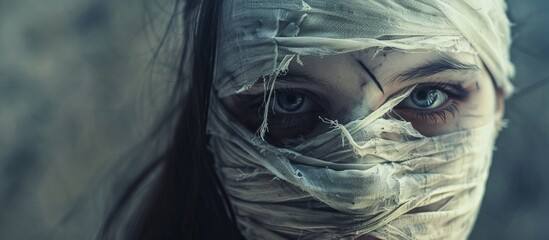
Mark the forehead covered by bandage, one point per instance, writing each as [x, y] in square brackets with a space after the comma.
[258, 38]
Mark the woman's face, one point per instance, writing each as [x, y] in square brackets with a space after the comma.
[454, 91]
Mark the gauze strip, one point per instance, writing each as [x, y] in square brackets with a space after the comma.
[255, 36]
[372, 176]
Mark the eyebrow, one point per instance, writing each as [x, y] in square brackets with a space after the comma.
[443, 63]
[438, 65]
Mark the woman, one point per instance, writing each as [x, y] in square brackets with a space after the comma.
[330, 120]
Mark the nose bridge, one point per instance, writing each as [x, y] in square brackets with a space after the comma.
[368, 64]
[361, 109]
[350, 130]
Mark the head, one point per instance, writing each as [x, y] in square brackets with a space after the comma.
[327, 119]
[369, 116]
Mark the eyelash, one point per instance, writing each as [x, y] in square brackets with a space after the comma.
[456, 93]
[291, 126]
[255, 102]
[440, 114]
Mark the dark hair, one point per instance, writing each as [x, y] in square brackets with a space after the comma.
[187, 201]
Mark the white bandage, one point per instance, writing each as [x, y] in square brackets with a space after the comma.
[384, 179]
[257, 36]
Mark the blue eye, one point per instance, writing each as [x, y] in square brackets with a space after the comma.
[291, 103]
[425, 98]
[292, 113]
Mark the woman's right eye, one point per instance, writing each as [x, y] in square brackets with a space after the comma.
[292, 103]
[292, 113]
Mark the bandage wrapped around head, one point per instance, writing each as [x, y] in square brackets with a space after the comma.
[256, 36]
[372, 176]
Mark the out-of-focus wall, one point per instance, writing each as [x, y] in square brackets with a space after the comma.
[517, 196]
[74, 77]
[75, 92]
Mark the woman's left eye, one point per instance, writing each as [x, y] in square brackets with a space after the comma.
[425, 98]
[430, 103]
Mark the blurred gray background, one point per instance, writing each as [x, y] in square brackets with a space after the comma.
[76, 89]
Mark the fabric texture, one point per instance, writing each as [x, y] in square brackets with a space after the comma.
[373, 176]
[257, 37]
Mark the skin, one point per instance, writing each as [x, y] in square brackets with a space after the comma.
[339, 88]
[342, 87]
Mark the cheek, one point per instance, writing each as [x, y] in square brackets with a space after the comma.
[481, 108]
[240, 113]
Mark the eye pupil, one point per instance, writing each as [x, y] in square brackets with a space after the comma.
[290, 102]
[421, 95]
[425, 98]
